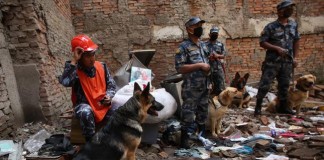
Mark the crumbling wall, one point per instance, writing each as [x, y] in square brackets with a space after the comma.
[58, 32]
[6, 114]
[39, 33]
[6, 111]
[123, 25]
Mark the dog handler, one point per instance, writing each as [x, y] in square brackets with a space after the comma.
[92, 85]
[216, 60]
[281, 39]
[192, 62]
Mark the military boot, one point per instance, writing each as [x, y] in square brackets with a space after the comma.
[284, 108]
[184, 140]
[88, 138]
[202, 130]
[258, 106]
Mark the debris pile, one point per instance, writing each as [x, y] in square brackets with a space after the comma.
[243, 136]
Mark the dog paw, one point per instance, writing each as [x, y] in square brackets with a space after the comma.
[214, 135]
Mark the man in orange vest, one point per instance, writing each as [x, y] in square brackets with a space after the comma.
[92, 85]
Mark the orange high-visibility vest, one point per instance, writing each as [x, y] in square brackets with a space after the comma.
[95, 90]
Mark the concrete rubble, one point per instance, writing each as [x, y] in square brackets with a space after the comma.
[270, 136]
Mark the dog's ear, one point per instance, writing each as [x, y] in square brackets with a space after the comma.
[246, 76]
[136, 88]
[226, 92]
[146, 90]
[299, 79]
[237, 76]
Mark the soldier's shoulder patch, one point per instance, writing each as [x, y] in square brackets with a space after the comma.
[177, 51]
[192, 48]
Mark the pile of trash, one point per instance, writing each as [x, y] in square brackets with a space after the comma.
[267, 137]
[36, 140]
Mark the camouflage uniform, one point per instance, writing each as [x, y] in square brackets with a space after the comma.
[194, 86]
[218, 73]
[275, 66]
[83, 110]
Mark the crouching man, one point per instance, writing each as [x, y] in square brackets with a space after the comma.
[92, 85]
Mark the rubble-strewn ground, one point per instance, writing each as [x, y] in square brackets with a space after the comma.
[296, 137]
[303, 139]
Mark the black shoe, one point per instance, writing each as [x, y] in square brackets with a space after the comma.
[88, 139]
[202, 130]
[284, 108]
[184, 140]
[258, 106]
[257, 112]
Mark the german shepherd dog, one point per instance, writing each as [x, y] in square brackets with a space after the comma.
[296, 96]
[243, 98]
[121, 136]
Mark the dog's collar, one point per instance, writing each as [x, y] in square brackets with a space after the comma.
[246, 94]
[212, 101]
[220, 102]
[300, 88]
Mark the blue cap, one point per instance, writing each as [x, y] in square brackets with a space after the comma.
[193, 20]
[284, 3]
[214, 30]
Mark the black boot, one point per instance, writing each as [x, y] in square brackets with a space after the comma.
[88, 138]
[258, 106]
[202, 130]
[284, 108]
[184, 140]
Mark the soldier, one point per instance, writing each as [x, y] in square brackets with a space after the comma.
[192, 62]
[281, 40]
[92, 85]
[216, 60]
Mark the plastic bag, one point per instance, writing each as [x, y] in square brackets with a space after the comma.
[35, 142]
[161, 95]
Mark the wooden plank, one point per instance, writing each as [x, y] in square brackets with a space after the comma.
[314, 102]
[66, 117]
[320, 86]
[76, 132]
[76, 136]
[320, 95]
[317, 88]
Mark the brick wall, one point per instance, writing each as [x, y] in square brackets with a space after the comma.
[39, 32]
[246, 56]
[57, 35]
[262, 7]
[6, 112]
[268, 7]
[114, 28]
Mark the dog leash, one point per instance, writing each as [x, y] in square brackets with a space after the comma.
[292, 77]
[212, 101]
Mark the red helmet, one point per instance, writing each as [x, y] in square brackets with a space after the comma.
[84, 42]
